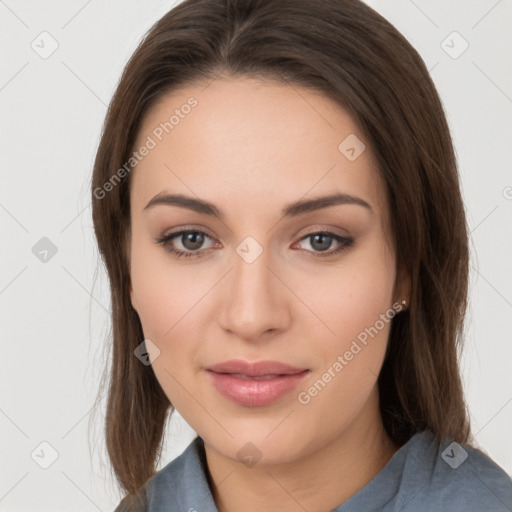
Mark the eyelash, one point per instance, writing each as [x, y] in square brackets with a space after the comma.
[345, 243]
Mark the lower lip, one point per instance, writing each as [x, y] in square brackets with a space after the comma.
[254, 393]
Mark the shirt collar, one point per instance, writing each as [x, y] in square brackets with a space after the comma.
[183, 480]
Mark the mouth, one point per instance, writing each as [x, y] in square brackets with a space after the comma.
[255, 384]
[247, 377]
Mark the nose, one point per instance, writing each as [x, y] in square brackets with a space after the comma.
[256, 301]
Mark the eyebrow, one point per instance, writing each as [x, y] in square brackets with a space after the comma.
[291, 210]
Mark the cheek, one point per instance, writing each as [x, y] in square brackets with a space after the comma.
[356, 304]
[168, 306]
[162, 293]
[154, 294]
[172, 302]
[351, 298]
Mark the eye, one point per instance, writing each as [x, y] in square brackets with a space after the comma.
[189, 243]
[321, 241]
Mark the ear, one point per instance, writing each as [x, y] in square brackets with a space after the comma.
[132, 298]
[403, 288]
[127, 248]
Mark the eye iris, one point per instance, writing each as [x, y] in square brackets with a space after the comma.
[324, 242]
[196, 240]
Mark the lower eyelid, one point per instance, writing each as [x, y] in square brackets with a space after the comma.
[173, 236]
[343, 242]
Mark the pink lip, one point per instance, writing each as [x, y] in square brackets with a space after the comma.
[236, 380]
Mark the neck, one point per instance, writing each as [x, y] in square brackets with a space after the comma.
[317, 482]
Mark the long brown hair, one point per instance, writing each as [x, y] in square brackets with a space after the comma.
[347, 51]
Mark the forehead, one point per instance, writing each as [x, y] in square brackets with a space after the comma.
[248, 142]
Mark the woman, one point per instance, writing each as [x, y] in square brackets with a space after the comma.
[276, 200]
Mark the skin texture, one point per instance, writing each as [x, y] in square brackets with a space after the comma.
[251, 148]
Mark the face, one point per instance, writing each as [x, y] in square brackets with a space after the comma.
[250, 278]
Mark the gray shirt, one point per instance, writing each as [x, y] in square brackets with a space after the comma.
[418, 478]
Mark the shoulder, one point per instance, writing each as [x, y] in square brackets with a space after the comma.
[451, 476]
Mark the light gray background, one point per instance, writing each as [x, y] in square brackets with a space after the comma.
[54, 320]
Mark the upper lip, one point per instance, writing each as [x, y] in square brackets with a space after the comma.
[255, 369]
